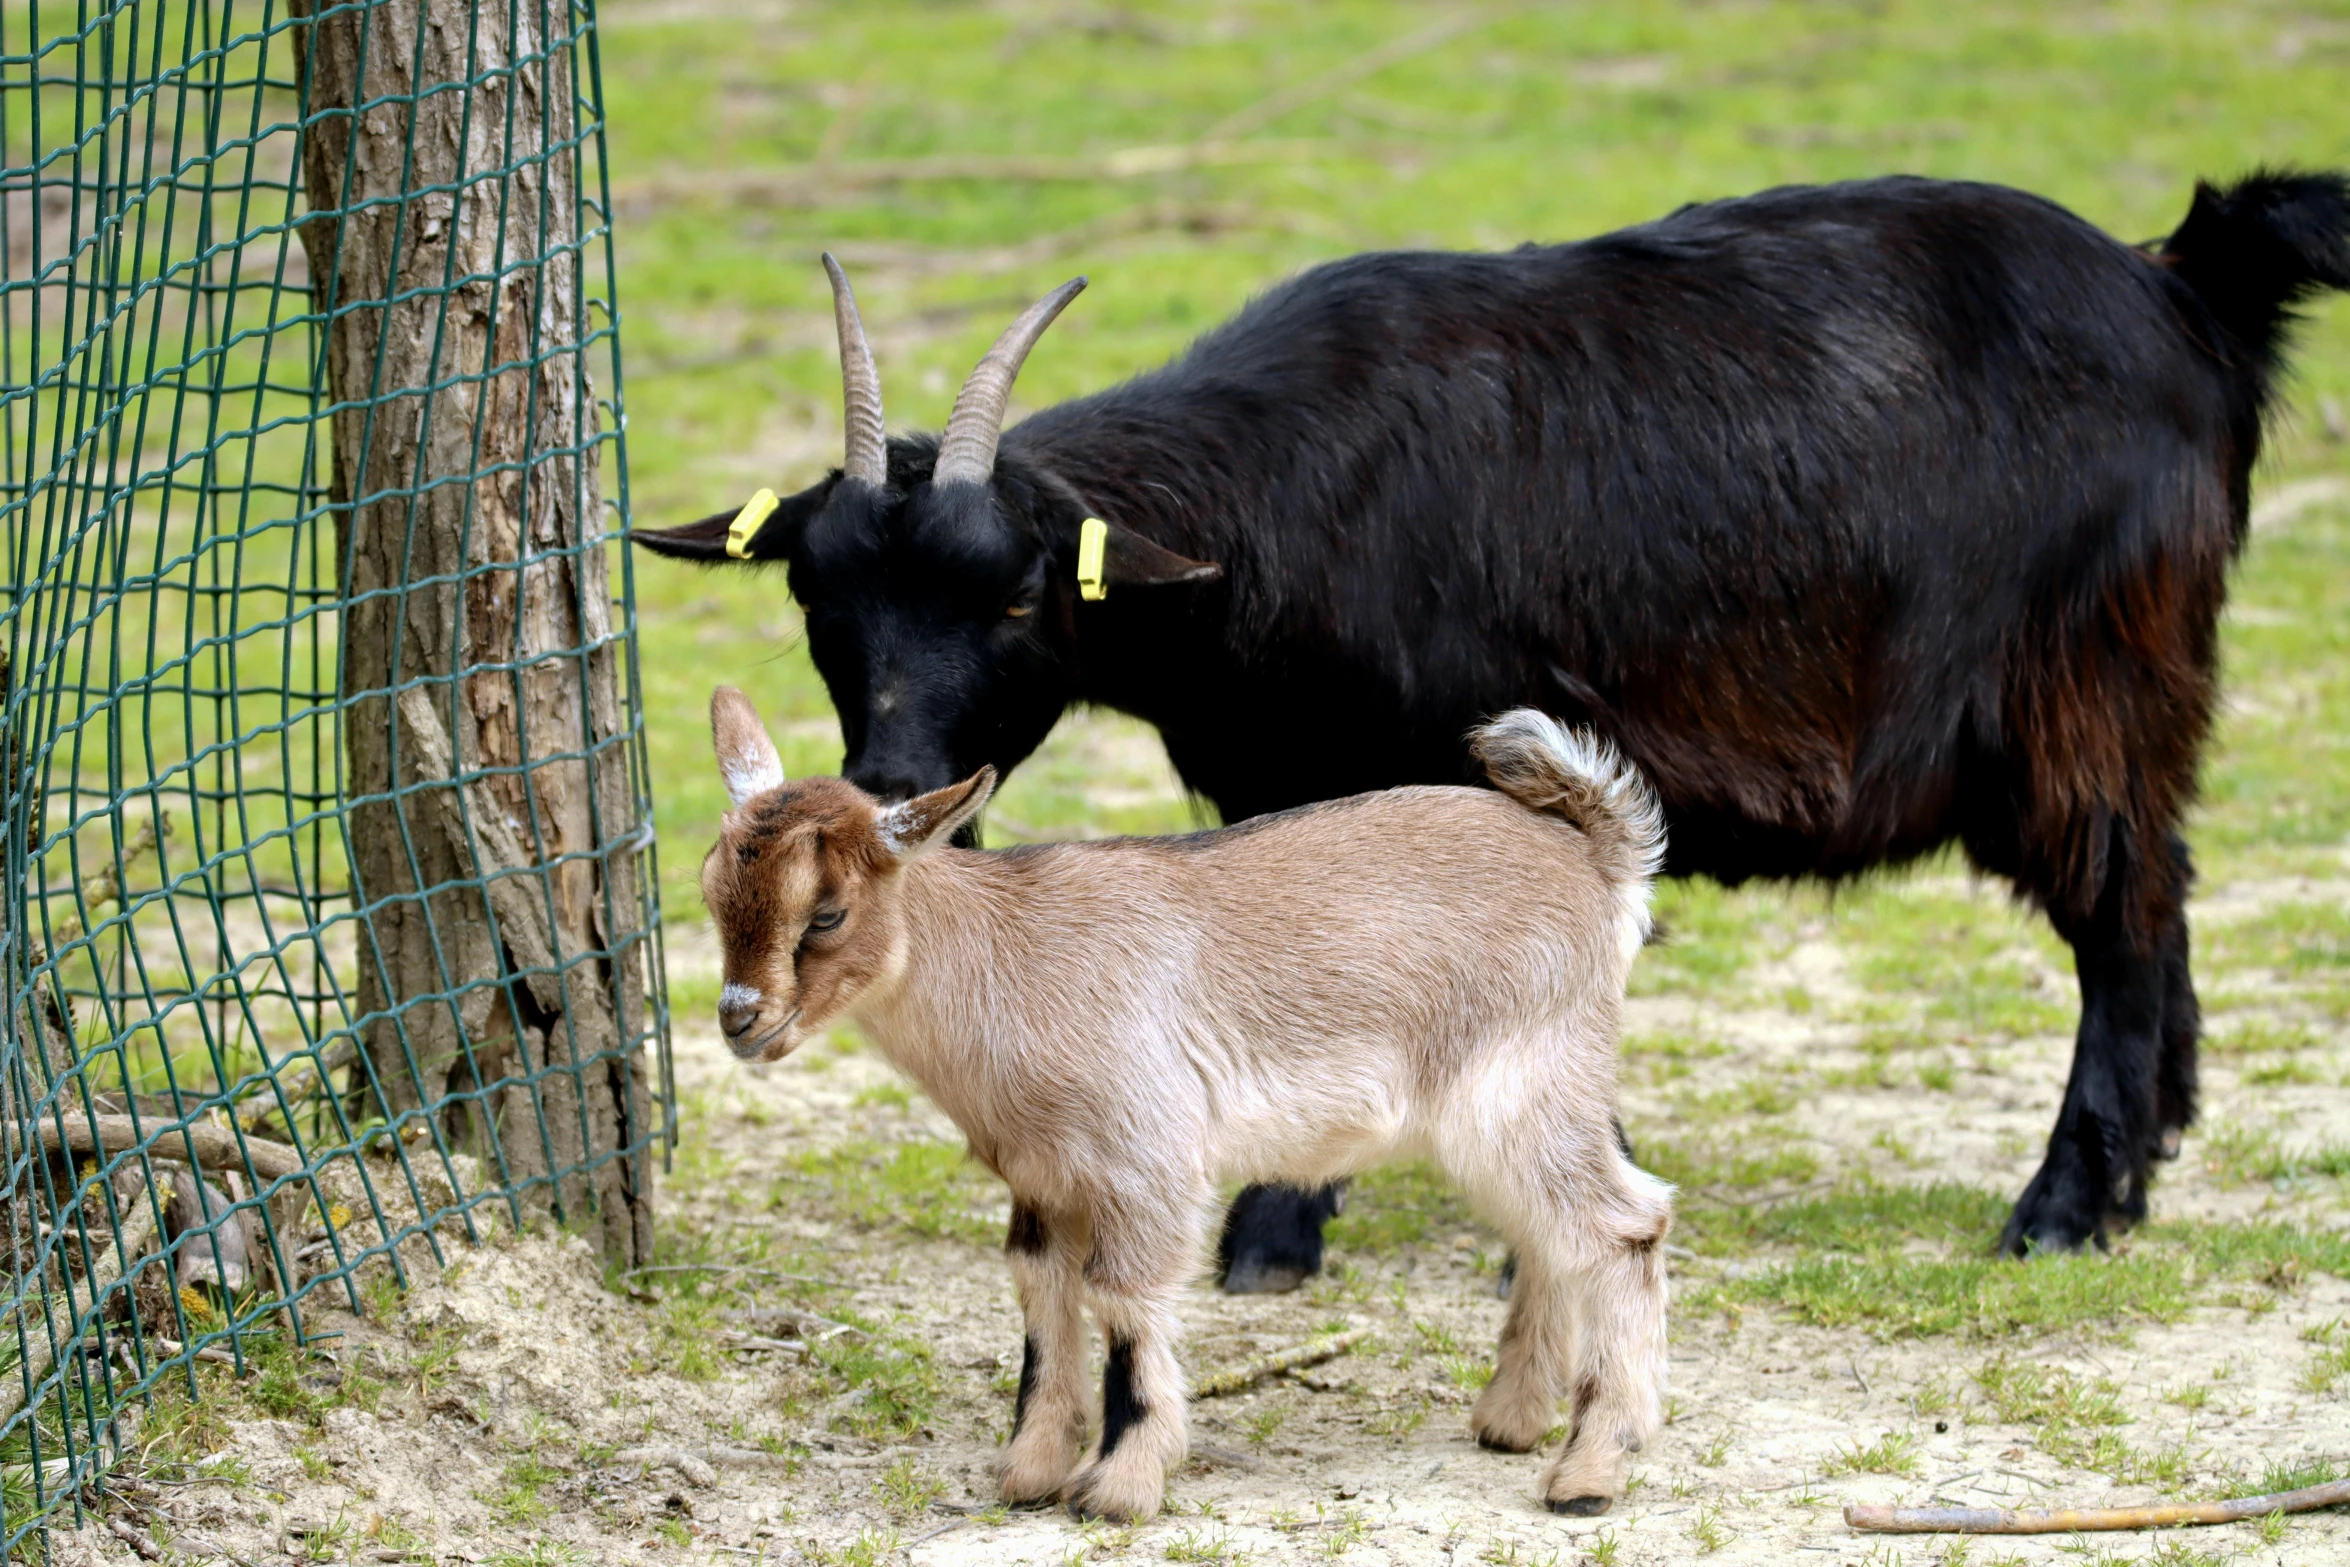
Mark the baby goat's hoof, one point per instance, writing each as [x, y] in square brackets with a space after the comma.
[1034, 1471]
[1578, 1506]
[1512, 1416]
[1585, 1478]
[1120, 1493]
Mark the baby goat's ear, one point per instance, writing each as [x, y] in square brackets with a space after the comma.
[906, 830]
[746, 757]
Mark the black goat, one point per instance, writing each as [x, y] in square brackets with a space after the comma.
[1864, 517]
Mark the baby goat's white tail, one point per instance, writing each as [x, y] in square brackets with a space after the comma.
[1572, 773]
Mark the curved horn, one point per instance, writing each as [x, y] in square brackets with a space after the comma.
[967, 450]
[868, 456]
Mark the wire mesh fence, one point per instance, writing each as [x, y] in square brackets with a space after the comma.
[329, 916]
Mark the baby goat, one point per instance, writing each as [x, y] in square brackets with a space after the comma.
[1119, 1026]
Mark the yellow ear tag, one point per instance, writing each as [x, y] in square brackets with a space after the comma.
[747, 522]
[1093, 537]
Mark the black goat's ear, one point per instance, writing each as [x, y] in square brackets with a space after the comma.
[1131, 561]
[769, 529]
[704, 540]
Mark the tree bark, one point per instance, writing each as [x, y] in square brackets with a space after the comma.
[444, 251]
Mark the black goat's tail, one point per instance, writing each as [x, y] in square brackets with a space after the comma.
[2253, 250]
[1572, 773]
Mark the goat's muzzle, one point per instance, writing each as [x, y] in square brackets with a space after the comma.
[749, 1047]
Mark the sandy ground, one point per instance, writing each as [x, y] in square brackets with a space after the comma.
[549, 1366]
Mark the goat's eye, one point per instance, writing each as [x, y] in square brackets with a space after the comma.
[1018, 611]
[828, 921]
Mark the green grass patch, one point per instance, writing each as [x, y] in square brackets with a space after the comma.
[1894, 1453]
[1755, 1158]
[1915, 1262]
[2291, 1475]
[1971, 1297]
[891, 1378]
[1977, 966]
[1400, 1205]
[2296, 940]
[931, 1189]
[1710, 938]
[1863, 1218]
[2244, 1153]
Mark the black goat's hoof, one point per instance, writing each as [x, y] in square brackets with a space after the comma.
[1248, 1276]
[1272, 1239]
[2062, 1210]
[1579, 1506]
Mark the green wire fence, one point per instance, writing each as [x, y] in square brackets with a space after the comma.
[329, 919]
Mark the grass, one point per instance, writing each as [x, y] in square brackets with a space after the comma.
[2242, 1153]
[2291, 1475]
[1894, 1453]
[931, 1189]
[1914, 1262]
[1398, 1206]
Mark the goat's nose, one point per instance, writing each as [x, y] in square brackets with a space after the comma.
[889, 786]
[736, 1018]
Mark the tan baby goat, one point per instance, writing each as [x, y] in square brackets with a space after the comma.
[1120, 1026]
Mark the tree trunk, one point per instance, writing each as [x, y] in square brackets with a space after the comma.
[443, 250]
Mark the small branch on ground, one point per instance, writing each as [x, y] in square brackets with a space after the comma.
[2068, 1520]
[215, 1147]
[1328, 1347]
[700, 1464]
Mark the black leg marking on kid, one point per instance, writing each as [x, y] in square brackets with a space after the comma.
[1027, 1382]
[1122, 1407]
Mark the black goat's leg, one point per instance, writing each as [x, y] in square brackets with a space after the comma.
[1272, 1239]
[2106, 1135]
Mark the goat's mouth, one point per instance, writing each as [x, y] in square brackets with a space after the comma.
[755, 1049]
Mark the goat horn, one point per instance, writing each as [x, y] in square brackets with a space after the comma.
[868, 455]
[967, 450]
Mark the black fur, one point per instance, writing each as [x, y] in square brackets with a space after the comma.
[1866, 518]
[1272, 1238]
[1027, 1381]
[1122, 1407]
[1026, 1233]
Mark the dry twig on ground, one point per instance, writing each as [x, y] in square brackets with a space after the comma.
[1312, 1353]
[2069, 1520]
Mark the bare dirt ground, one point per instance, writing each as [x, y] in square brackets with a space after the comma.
[514, 1400]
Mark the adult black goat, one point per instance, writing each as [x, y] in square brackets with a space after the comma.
[1863, 517]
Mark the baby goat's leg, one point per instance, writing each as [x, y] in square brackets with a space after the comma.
[1048, 1422]
[1536, 1352]
[1617, 1276]
[1137, 1269]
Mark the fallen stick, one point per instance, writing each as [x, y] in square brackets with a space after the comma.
[2070, 1520]
[1328, 1347]
[700, 1464]
[216, 1147]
